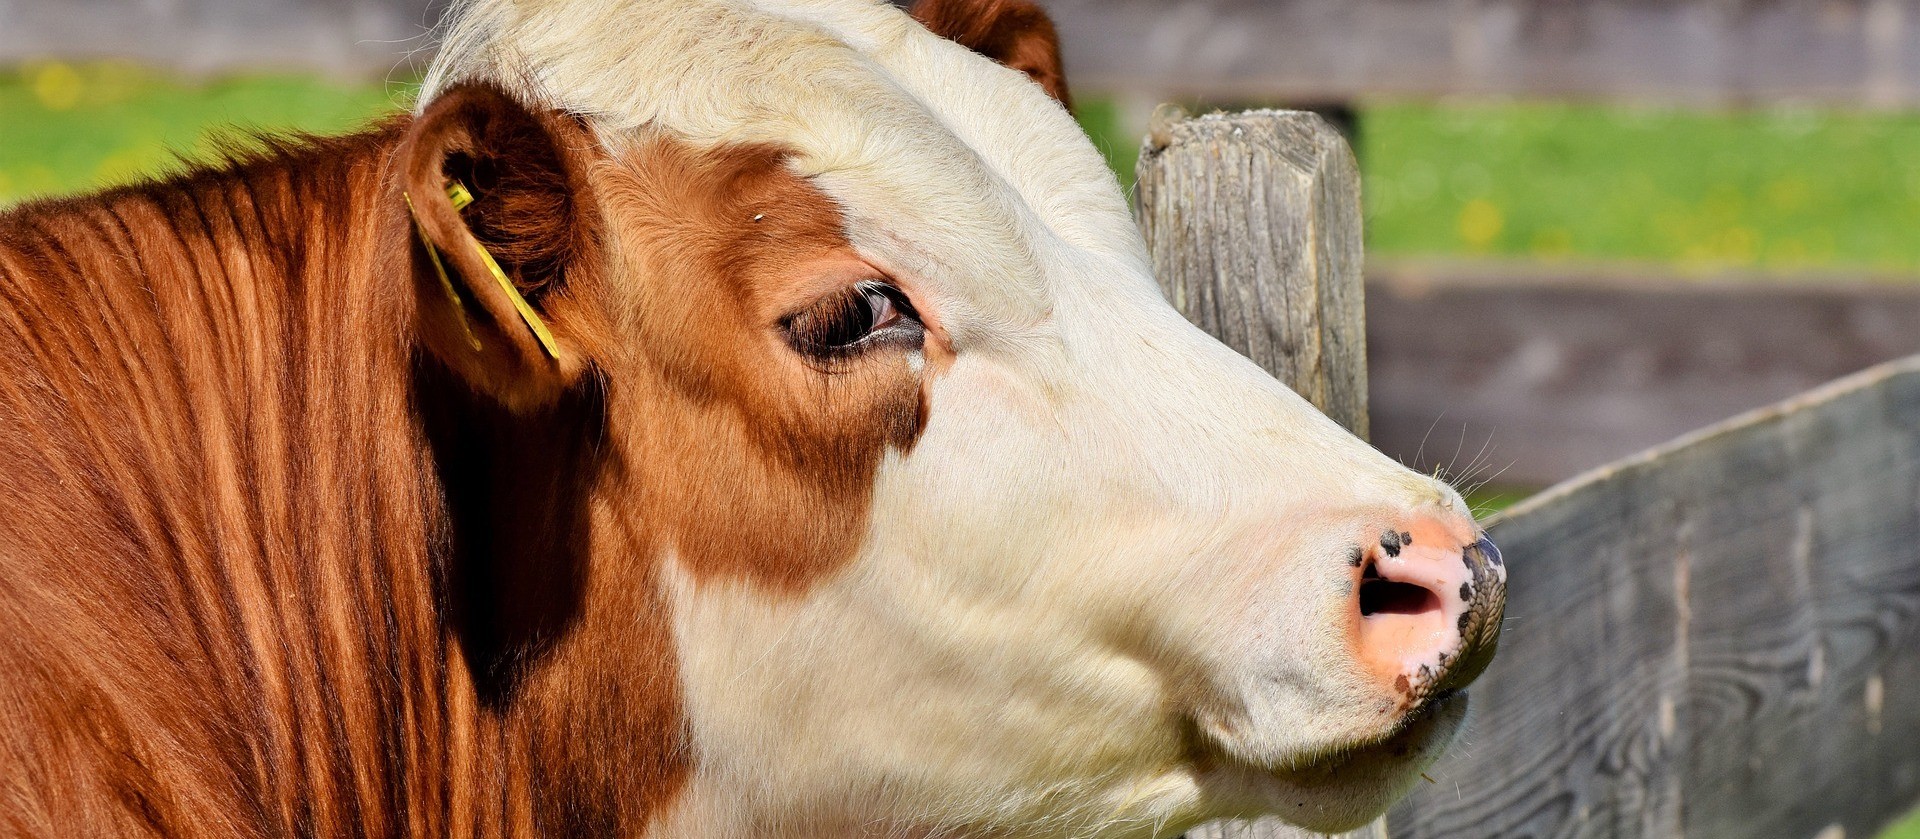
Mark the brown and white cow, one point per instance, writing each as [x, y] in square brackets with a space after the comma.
[846, 475]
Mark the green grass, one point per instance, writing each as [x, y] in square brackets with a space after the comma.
[1487, 500]
[71, 127]
[67, 127]
[1102, 121]
[1771, 191]
[1783, 190]
[1908, 828]
[1774, 191]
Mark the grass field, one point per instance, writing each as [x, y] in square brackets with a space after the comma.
[1784, 190]
[1779, 191]
[1909, 829]
[67, 127]
[1772, 191]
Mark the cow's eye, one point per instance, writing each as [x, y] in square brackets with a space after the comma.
[868, 314]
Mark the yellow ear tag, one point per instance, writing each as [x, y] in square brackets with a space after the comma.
[446, 282]
[458, 194]
[461, 198]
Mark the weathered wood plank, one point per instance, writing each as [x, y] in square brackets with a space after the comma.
[1253, 220]
[1719, 638]
[1719, 52]
[1542, 376]
[349, 38]
[1302, 51]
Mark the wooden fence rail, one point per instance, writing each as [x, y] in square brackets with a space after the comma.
[1719, 638]
[1557, 375]
[1710, 52]
[1702, 52]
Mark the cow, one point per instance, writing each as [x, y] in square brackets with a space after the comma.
[696, 418]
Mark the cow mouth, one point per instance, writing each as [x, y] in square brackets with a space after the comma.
[1344, 788]
[1419, 727]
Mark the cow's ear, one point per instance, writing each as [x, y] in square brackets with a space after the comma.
[506, 237]
[1013, 32]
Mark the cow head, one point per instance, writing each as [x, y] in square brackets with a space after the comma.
[857, 477]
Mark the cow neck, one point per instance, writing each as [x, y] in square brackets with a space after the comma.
[330, 625]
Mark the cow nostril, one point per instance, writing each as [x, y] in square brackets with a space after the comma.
[1409, 622]
[1386, 597]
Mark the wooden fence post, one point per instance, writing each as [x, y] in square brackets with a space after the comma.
[1253, 221]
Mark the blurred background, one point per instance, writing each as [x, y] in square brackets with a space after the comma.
[1592, 225]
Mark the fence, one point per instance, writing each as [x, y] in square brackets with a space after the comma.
[352, 38]
[1695, 51]
[1555, 376]
[1717, 638]
[1701, 52]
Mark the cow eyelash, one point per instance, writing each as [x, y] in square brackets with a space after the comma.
[866, 315]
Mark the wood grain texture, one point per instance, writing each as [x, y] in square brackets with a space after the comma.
[1253, 220]
[1718, 638]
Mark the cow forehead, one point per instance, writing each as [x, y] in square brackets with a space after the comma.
[949, 168]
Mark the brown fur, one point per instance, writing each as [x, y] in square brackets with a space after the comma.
[275, 559]
[1016, 33]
